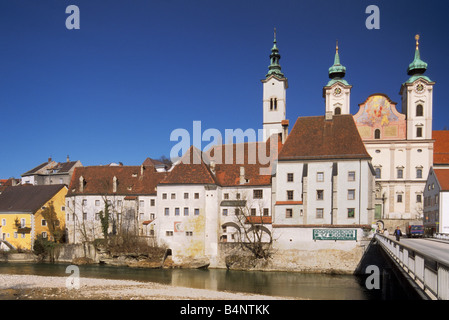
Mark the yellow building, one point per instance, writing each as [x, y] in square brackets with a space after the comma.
[22, 214]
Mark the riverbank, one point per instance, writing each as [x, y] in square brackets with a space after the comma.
[31, 287]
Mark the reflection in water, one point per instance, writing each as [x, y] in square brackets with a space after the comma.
[297, 285]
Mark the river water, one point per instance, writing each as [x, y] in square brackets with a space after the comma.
[285, 284]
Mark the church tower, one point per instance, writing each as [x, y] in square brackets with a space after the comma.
[274, 96]
[337, 91]
[417, 93]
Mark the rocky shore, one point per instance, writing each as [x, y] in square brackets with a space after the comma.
[31, 287]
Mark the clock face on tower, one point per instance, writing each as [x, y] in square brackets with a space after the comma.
[337, 91]
[419, 88]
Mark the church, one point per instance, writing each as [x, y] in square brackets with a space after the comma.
[399, 142]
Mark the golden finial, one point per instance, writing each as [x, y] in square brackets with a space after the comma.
[417, 41]
[274, 34]
[336, 47]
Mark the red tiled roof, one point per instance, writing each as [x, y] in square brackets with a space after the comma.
[131, 180]
[258, 219]
[441, 146]
[288, 202]
[314, 138]
[443, 178]
[191, 169]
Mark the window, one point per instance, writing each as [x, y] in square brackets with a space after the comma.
[186, 211]
[253, 211]
[3, 222]
[226, 196]
[164, 196]
[399, 198]
[257, 194]
[351, 212]
[169, 233]
[289, 194]
[418, 198]
[43, 222]
[319, 194]
[419, 173]
[186, 195]
[266, 212]
[237, 211]
[176, 211]
[141, 203]
[84, 215]
[152, 202]
[351, 176]
[273, 104]
[97, 216]
[419, 132]
[63, 208]
[189, 233]
[351, 194]
[22, 222]
[378, 173]
[320, 176]
[15, 234]
[400, 173]
[337, 110]
[288, 213]
[196, 195]
[419, 110]
[167, 211]
[225, 212]
[141, 216]
[22, 235]
[197, 212]
[289, 177]
[119, 203]
[68, 217]
[84, 202]
[377, 134]
[237, 196]
[319, 213]
[97, 203]
[173, 196]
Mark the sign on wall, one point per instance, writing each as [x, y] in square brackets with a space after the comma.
[334, 234]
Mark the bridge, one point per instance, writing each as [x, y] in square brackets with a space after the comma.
[424, 263]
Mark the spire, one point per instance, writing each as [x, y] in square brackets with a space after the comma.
[337, 71]
[274, 68]
[417, 68]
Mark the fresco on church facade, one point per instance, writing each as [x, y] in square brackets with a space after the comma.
[379, 113]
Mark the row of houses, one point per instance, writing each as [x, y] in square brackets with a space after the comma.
[330, 178]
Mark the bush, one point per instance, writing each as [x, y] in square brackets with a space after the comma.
[43, 248]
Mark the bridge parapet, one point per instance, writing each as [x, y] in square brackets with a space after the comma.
[430, 274]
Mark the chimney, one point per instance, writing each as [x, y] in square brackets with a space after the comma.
[68, 159]
[114, 184]
[81, 184]
[328, 115]
[49, 159]
[242, 175]
[285, 124]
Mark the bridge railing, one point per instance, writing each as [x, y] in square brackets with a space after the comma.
[429, 273]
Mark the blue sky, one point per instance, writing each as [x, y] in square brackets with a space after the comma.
[115, 89]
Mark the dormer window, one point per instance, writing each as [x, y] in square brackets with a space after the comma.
[377, 134]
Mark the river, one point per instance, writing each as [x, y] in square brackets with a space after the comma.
[285, 284]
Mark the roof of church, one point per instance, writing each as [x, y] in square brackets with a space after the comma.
[315, 138]
[440, 146]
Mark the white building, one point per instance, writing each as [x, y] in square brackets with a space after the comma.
[129, 191]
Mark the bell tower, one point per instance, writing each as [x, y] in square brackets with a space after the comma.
[417, 104]
[337, 91]
[274, 95]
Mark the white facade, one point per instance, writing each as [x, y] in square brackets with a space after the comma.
[274, 105]
[337, 98]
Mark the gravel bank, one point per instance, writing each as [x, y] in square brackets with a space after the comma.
[54, 288]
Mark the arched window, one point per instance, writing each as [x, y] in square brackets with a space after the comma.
[378, 173]
[337, 110]
[377, 134]
[419, 110]
[419, 132]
